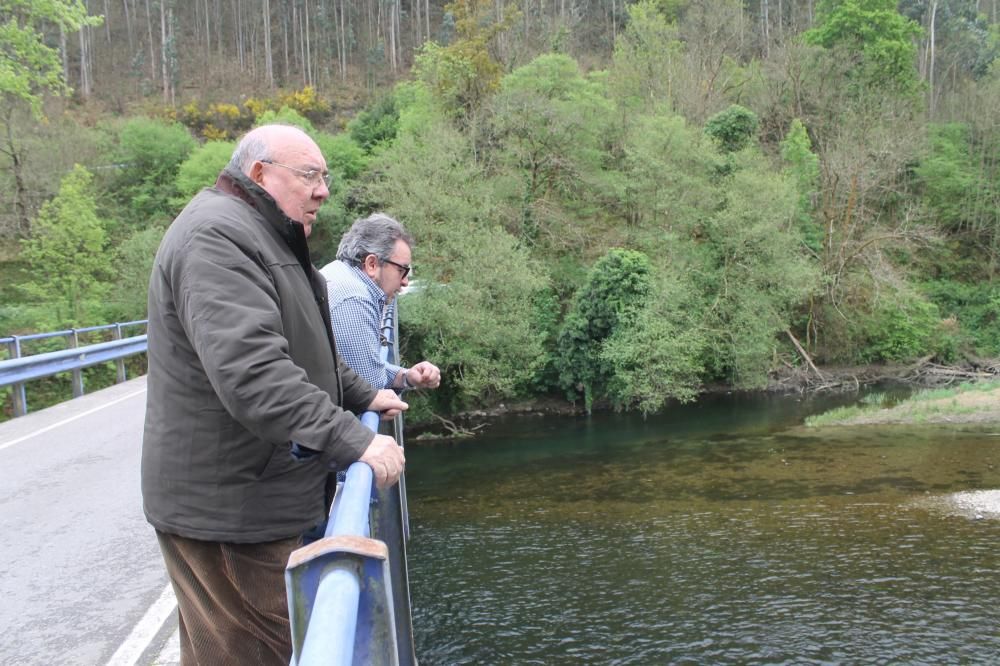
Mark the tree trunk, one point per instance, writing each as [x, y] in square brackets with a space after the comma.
[107, 20]
[930, 67]
[84, 89]
[86, 71]
[128, 28]
[64, 54]
[207, 67]
[164, 55]
[268, 61]
[337, 9]
[308, 45]
[152, 50]
[284, 45]
[22, 223]
[393, 26]
[764, 27]
[781, 22]
[343, 38]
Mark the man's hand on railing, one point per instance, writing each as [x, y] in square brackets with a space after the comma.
[387, 402]
[385, 457]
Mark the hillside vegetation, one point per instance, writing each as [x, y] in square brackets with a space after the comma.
[614, 202]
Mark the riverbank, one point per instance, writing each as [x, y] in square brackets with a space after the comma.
[966, 403]
[920, 374]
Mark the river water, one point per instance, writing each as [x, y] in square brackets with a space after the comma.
[721, 532]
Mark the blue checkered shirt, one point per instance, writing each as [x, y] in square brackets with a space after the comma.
[357, 308]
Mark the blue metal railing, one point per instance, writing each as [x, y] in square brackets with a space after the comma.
[19, 369]
[348, 593]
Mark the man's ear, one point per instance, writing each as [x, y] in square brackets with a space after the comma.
[370, 264]
[257, 172]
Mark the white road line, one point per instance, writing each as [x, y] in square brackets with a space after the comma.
[146, 630]
[170, 655]
[72, 418]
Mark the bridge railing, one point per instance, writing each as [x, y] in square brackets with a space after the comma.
[19, 369]
[348, 593]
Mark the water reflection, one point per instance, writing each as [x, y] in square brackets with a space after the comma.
[718, 533]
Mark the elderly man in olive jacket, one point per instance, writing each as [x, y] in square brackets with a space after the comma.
[242, 366]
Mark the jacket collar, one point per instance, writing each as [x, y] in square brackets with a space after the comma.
[236, 183]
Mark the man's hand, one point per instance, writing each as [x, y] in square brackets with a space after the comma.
[424, 375]
[385, 457]
[387, 402]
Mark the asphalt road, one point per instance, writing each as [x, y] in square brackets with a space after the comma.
[81, 579]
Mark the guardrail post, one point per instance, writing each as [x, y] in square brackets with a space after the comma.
[120, 363]
[74, 342]
[20, 400]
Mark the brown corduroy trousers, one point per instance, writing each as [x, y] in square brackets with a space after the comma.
[231, 604]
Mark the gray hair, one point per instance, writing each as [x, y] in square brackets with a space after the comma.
[256, 146]
[376, 234]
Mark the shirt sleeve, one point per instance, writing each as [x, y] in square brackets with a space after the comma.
[356, 330]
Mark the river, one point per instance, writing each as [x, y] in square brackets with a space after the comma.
[718, 532]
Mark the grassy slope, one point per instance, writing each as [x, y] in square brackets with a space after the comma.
[967, 403]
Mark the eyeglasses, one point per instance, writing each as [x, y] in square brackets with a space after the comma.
[403, 268]
[310, 176]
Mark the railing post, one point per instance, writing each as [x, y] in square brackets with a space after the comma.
[20, 400]
[74, 342]
[120, 363]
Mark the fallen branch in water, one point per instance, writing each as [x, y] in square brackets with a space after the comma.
[455, 430]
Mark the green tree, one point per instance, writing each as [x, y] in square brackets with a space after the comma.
[29, 70]
[667, 185]
[947, 176]
[802, 165]
[285, 115]
[615, 290]
[344, 157]
[645, 57]
[875, 37]
[148, 158]
[751, 271]
[733, 128]
[67, 254]
[660, 355]
[463, 74]
[201, 169]
[376, 125]
[551, 122]
[479, 327]
[133, 266]
[474, 315]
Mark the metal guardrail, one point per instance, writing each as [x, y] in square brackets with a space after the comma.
[348, 593]
[19, 369]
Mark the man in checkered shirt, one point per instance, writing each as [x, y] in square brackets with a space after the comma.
[372, 267]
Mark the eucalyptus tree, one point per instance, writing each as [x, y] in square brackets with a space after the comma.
[31, 70]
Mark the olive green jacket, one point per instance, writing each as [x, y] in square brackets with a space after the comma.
[242, 364]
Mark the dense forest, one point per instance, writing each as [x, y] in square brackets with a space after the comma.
[614, 202]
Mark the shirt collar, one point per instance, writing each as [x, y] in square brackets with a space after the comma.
[376, 291]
